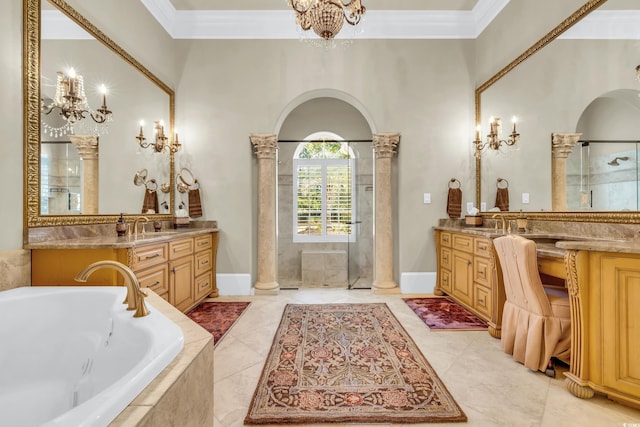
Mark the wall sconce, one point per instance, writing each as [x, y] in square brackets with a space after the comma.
[71, 100]
[160, 140]
[493, 137]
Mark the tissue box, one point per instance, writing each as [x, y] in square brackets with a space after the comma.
[472, 220]
[180, 221]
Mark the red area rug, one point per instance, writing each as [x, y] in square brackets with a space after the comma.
[440, 313]
[217, 317]
[347, 363]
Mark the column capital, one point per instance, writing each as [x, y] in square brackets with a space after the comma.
[385, 144]
[264, 145]
[562, 144]
[87, 146]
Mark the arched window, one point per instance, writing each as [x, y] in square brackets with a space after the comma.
[324, 178]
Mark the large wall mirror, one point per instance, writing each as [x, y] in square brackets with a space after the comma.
[587, 88]
[89, 172]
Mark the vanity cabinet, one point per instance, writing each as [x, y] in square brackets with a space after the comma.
[468, 273]
[604, 288]
[180, 269]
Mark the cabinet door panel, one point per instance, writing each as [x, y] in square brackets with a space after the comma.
[463, 277]
[619, 293]
[181, 274]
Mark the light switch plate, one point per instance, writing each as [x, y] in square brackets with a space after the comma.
[525, 198]
[469, 206]
[483, 206]
[427, 198]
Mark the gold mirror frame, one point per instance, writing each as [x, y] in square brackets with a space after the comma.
[601, 216]
[32, 131]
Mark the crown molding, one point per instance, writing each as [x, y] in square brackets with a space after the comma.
[279, 24]
[606, 25]
[376, 24]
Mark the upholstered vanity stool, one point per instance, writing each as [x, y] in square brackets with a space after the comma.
[536, 323]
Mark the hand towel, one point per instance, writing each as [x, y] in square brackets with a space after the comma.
[502, 199]
[195, 205]
[454, 202]
[150, 201]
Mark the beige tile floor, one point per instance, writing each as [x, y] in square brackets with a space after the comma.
[491, 388]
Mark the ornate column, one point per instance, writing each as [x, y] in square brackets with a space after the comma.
[265, 147]
[87, 146]
[385, 146]
[561, 146]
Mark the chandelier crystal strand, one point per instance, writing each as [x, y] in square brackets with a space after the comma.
[326, 17]
[71, 100]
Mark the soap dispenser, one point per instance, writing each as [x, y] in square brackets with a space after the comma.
[121, 226]
[521, 221]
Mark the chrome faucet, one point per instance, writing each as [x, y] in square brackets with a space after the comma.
[135, 224]
[135, 295]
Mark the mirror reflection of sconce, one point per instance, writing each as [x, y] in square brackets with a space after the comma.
[161, 141]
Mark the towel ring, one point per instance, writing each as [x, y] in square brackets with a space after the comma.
[184, 185]
[454, 181]
[500, 181]
[151, 185]
[140, 177]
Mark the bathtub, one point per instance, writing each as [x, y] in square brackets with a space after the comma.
[74, 356]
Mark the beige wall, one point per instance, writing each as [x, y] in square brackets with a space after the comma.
[422, 89]
[520, 24]
[229, 89]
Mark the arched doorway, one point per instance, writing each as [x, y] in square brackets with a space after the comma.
[325, 196]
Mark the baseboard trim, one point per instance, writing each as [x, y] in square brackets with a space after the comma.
[417, 283]
[234, 284]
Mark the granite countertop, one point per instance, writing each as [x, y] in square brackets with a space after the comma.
[625, 246]
[113, 241]
[555, 244]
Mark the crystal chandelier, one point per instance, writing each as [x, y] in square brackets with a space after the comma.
[326, 17]
[71, 101]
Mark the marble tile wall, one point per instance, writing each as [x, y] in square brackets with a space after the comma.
[15, 269]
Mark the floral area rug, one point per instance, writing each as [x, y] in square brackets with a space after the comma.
[347, 363]
[217, 317]
[440, 313]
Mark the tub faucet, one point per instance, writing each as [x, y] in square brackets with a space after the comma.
[135, 295]
[142, 219]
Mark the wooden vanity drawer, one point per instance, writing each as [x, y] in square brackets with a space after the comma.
[445, 239]
[155, 278]
[147, 256]
[483, 297]
[180, 248]
[482, 247]
[203, 262]
[445, 258]
[481, 271]
[552, 266]
[203, 242]
[204, 285]
[462, 242]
